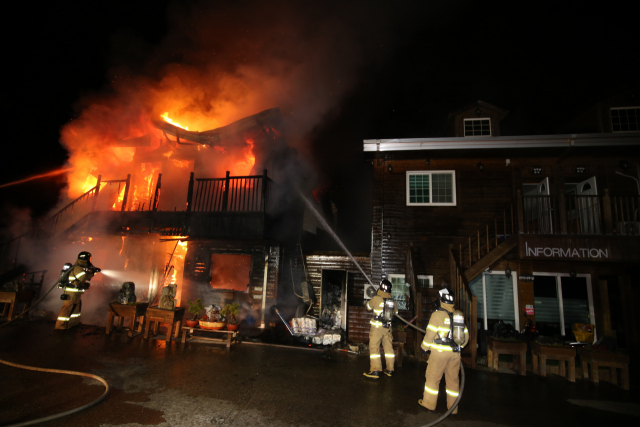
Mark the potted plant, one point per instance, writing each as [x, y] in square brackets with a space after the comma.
[230, 311]
[194, 308]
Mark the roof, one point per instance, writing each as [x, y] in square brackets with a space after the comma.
[484, 142]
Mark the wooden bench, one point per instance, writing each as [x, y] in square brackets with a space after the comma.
[495, 348]
[188, 334]
[133, 311]
[561, 354]
[160, 315]
[11, 299]
[612, 361]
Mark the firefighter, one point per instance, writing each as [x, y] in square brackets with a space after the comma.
[74, 279]
[445, 352]
[384, 308]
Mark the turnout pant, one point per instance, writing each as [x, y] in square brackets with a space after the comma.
[377, 336]
[446, 362]
[70, 312]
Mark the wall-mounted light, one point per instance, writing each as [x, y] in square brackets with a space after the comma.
[536, 171]
[388, 235]
[507, 272]
[480, 167]
[580, 169]
[390, 169]
[572, 273]
[428, 162]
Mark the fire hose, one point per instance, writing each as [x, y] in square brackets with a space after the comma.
[57, 371]
[455, 404]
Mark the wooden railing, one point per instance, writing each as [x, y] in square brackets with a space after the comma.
[465, 302]
[487, 237]
[229, 194]
[580, 215]
[10, 250]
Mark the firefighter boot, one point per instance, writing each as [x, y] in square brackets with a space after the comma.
[372, 374]
[388, 373]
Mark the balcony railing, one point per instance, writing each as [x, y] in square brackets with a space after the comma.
[580, 215]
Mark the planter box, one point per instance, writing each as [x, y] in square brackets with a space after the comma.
[399, 336]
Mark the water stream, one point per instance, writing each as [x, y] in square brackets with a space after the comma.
[333, 234]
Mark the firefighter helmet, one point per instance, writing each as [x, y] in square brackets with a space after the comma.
[446, 296]
[386, 286]
[85, 256]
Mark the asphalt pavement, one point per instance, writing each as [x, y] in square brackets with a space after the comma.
[200, 384]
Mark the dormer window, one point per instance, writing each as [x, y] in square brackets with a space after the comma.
[625, 119]
[477, 127]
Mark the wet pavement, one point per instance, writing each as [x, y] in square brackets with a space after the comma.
[255, 385]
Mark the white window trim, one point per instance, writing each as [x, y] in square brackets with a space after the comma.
[592, 316]
[430, 172]
[425, 276]
[611, 119]
[464, 132]
[516, 311]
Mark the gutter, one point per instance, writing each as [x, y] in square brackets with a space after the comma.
[528, 141]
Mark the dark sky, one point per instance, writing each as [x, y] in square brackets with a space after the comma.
[415, 62]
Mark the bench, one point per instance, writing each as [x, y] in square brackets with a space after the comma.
[561, 354]
[188, 334]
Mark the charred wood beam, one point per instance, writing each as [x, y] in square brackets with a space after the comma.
[225, 135]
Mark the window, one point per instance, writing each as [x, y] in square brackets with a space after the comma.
[497, 298]
[477, 127]
[625, 119]
[425, 281]
[560, 301]
[400, 291]
[431, 188]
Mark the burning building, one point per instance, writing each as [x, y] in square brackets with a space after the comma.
[208, 211]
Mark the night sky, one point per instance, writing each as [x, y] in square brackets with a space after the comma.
[408, 66]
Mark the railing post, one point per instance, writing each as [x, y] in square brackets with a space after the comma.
[156, 196]
[225, 196]
[473, 329]
[126, 193]
[264, 191]
[190, 193]
[562, 207]
[608, 223]
[520, 212]
[95, 197]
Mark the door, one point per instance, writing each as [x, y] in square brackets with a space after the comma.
[333, 297]
[587, 206]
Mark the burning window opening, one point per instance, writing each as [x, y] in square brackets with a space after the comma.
[230, 272]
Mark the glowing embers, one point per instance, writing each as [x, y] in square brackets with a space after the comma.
[230, 272]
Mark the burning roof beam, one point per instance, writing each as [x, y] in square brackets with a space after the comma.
[225, 135]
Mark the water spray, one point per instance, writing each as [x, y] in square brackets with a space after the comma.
[44, 175]
[333, 234]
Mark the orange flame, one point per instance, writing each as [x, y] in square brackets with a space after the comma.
[166, 118]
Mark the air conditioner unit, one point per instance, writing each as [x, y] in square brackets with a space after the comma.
[370, 291]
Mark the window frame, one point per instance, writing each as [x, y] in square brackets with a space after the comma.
[621, 108]
[425, 276]
[592, 314]
[403, 277]
[464, 130]
[516, 311]
[431, 172]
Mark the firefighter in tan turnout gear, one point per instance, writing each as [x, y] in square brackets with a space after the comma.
[445, 337]
[384, 308]
[74, 279]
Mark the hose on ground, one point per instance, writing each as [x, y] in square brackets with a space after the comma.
[455, 404]
[60, 371]
[56, 371]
